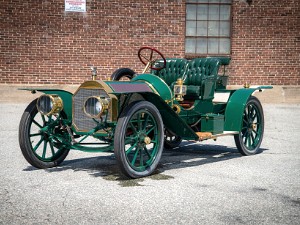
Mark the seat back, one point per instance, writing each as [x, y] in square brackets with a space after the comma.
[222, 77]
[174, 69]
[200, 77]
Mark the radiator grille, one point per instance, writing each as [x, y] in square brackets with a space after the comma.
[81, 121]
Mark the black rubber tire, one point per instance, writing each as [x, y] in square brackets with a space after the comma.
[174, 142]
[120, 134]
[25, 141]
[122, 73]
[255, 134]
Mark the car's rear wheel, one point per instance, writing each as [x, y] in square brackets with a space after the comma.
[250, 137]
[139, 139]
[42, 139]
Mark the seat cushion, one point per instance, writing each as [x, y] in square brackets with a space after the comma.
[193, 91]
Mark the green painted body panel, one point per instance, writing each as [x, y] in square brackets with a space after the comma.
[235, 107]
[213, 123]
[159, 96]
[108, 148]
[160, 86]
[65, 96]
[171, 120]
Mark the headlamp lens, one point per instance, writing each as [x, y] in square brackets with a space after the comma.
[93, 106]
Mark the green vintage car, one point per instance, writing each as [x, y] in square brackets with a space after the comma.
[137, 116]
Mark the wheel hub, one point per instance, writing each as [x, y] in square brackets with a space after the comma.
[46, 136]
[252, 127]
[147, 140]
[143, 139]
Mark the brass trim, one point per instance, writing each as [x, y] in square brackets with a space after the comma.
[104, 106]
[246, 85]
[169, 101]
[191, 108]
[106, 87]
[147, 140]
[57, 104]
[94, 72]
[153, 88]
[204, 135]
[113, 103]
[147, 67]
[176, 108]
[113, 107]
[162, 82]
[207, 135]
[167, 86]
[179, 90]
[179, 81]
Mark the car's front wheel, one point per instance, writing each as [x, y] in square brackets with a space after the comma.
[42, 139]
[139, 139]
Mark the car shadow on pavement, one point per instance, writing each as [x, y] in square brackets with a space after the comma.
[186, 155]
[190, 154]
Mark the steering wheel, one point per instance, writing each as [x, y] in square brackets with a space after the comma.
[148, 56]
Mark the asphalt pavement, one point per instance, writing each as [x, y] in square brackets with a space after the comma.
[202, 183]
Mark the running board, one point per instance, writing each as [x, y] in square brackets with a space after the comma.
[208, 135]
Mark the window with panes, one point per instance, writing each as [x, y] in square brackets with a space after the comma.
[208, 27]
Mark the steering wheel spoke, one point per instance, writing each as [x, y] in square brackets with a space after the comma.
[154, 55]
[145, 58]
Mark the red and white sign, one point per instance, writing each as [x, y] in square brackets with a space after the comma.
[75, 5]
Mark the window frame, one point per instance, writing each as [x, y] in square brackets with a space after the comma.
[207, 54]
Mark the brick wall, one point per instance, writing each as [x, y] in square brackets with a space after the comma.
[42, 44]
[266, 42]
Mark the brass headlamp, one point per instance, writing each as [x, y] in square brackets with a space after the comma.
[49, 104]
[95, 106]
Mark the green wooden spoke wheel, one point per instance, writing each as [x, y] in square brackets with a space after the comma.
[139, 139]
[249, 139]
[43, 140]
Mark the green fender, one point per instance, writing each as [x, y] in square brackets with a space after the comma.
[235, 107]
[65, 96]
[157, 84]
[171, 119]
[162, 94]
